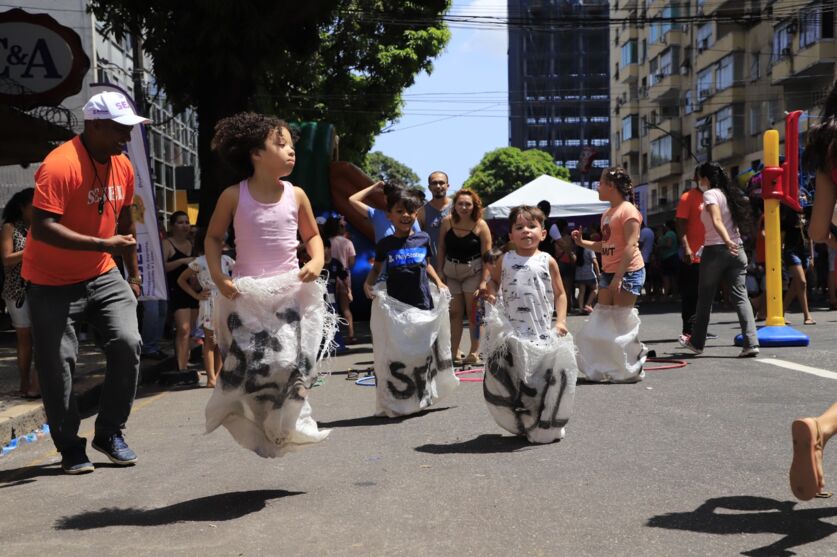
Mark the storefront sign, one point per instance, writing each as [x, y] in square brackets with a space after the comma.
[41, 61]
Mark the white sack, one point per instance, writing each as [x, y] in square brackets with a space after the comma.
[608, 344]
[272, 337]
[529, 385]
[413, 365]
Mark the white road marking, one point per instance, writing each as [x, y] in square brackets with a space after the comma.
[799, 367]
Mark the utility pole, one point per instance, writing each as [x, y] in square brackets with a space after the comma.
[139, 70]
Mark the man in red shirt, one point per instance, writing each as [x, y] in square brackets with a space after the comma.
[690, 233]
[82, 218]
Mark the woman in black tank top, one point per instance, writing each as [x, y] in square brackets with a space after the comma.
[177, 251]
[463, 238]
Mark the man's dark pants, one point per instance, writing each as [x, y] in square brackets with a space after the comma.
[108, 304]
[688, 277]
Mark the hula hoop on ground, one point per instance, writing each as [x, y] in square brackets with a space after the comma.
[672, 364]
[471, 371]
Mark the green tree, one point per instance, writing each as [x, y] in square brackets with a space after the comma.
[341, 61]
[503, 170]
[381, 167]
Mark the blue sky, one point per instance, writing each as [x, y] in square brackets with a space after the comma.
[458, 112]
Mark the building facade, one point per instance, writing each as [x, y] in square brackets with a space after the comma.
[558, 82]
[172, 138]
[697, 80]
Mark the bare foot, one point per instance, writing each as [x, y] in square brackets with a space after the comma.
[806, 474]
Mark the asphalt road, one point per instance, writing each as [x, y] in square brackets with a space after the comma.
[689, 462]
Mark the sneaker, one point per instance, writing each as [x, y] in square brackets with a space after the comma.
[115, 448]
[683, 339]
[159, 355]
[688, 346]
[711, 336]
[75, 461]
[749, 352]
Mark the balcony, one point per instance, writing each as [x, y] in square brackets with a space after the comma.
[628, 147]
[669, 126]
[629, 73]
[731, 42]
[734, 148]
[726, 7]
[666, 87]
[674, 36]
[813, 61]
[671, 168]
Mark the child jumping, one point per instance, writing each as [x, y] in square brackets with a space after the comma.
[272, 319]
[409, 322]
[608, 346]
[200, 269]
[531, 371]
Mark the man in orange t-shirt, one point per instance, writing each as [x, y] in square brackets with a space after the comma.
[690, 233]
[82, 218]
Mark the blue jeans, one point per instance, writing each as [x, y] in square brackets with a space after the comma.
[632, 281]
[718, 264]
[153, 324]
[108, 304]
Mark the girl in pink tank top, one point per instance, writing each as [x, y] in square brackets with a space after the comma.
[272, 322]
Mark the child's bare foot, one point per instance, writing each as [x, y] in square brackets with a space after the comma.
[806, 475]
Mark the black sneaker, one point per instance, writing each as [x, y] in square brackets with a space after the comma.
[75, 461]
[115, 448]
[159, 355]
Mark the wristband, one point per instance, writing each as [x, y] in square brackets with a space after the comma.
[100, 245]
[135, 280]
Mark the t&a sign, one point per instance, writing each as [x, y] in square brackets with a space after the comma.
[41, 61]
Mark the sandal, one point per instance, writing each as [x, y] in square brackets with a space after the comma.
[806, 477]
[810, 321]
[471, 359]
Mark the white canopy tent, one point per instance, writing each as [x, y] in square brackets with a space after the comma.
[566, 199]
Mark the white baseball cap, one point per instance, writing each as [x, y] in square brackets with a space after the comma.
[111, 105]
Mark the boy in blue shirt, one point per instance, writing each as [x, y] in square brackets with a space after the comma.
[405, 253]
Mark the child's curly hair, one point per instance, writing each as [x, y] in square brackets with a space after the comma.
[237, 136]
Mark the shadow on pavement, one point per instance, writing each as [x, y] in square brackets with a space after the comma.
[483, 444]
[759, 515]
[378, 420]
[28, 474]
[214, 508]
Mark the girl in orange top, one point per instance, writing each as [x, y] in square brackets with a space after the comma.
[623, 269]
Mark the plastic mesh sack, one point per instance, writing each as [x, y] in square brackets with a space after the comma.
[609, 349]
[413, 365]
[272, 337]
[529, 385]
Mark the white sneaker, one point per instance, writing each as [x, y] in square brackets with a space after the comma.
[749, 352]
[683, 339]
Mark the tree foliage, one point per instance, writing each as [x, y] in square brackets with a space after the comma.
[503, 170]
[381, 167]
[341, 61]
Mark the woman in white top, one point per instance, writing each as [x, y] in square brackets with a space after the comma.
[725, 212]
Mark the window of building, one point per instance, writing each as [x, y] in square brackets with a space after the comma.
[754, 66]
[599, 119]
[643, 51]
[687, 102]
[724, 76]
[705, 81]
[669, 12]
[666, 62]
[629, 127]
[629, 53]
[661, 150]
[704, 36]
[704, 138]
[773, 114]
[543, 143]
[571, 164]
[531, 143]
[781, 42]
[723, 125]
[572, 143]
[654, 33]
[601, 163]
[755, 126]
[599, 142]
[814, 25]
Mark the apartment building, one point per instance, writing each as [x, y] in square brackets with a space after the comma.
[559, 82]
[697, 80]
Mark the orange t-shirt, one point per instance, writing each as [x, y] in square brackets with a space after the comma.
[613, 237]
[65, 184]
[689, 209]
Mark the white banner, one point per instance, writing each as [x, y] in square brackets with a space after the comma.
[144, 209]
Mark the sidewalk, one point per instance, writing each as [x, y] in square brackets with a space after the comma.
[19, 416]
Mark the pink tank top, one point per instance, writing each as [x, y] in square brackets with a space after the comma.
[265, 234]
